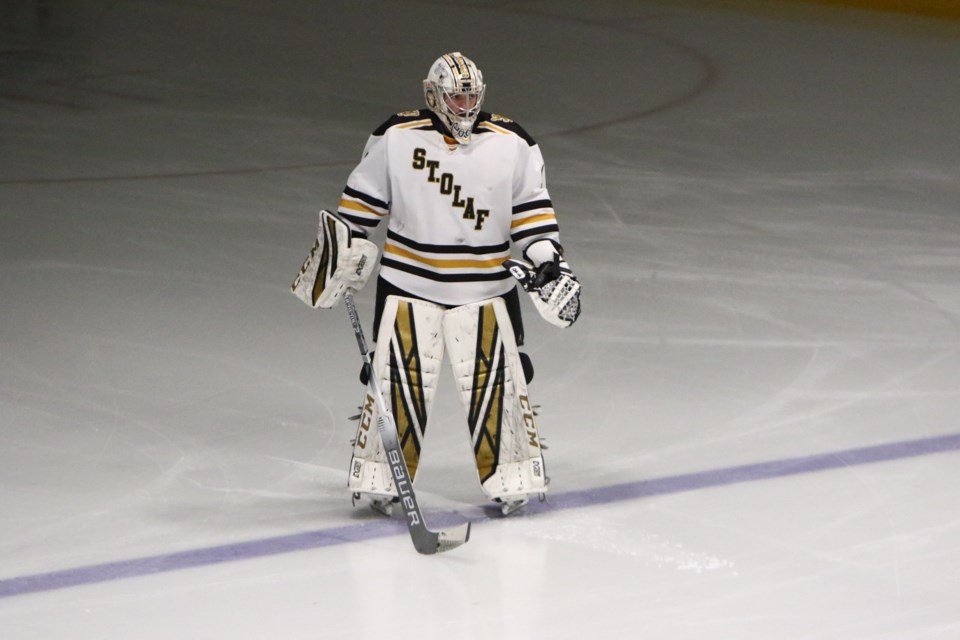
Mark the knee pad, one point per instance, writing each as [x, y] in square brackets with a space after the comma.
[527, 365]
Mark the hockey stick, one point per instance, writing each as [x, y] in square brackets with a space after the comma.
[424, 540]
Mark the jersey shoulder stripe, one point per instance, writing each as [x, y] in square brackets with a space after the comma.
[416, 119]
[496, 123]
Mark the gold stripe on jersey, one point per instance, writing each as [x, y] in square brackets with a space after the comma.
[354, 205]
[445, 263]
[492, 127]
[534, 220]
[414, 124]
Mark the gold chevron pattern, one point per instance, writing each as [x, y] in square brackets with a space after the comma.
[407, 398]
[486, 403]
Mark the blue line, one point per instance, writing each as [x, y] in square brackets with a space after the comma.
[382, 528]
[754, 472]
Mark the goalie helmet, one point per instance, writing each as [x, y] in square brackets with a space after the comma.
[453, 89]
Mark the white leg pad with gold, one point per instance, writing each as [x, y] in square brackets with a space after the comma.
[407, 363]
[489, 377]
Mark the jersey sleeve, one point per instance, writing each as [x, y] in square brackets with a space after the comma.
[366, 197]
[533, 218]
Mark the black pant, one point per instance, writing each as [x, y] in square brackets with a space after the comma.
[511, 298]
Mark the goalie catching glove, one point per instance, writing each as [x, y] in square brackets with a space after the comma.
[552, 287]
[336, 263]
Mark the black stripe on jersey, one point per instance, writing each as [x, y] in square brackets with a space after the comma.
[536, 231]
[370, 200]
[400, 118]
[444, 277]
[357, 220]
[536, 204]
[446, 248]
[507, 124]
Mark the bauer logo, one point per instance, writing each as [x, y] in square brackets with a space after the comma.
[399, 470]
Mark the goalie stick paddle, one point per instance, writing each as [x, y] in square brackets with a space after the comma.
[424, 540]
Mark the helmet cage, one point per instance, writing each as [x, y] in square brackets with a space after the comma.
[454, 75]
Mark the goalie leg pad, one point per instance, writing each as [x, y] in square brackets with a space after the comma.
[336, 263]
[407, 362]
[489, 377]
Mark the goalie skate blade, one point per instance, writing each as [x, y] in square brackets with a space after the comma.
[432, 543]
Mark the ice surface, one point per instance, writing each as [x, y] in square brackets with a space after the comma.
[752, 427]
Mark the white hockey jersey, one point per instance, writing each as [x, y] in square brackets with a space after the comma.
[454, 210]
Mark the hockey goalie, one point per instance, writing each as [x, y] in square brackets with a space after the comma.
[462, 190]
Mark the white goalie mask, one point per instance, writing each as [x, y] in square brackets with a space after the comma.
[454, 91]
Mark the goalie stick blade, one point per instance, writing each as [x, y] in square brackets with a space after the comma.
[428, 542]
[453, 538]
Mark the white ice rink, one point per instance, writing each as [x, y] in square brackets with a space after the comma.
[754, 428]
